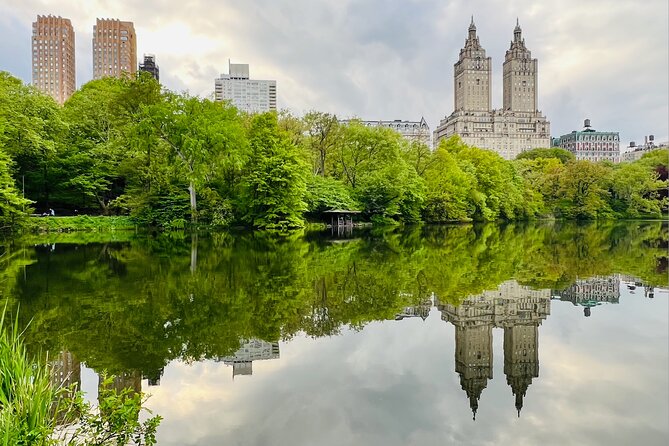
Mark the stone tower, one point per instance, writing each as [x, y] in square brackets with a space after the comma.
[473, 359]
[521, 359]
[473, 75]
[520, 76]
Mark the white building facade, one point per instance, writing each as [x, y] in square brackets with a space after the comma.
[410, 130]
[589, 144]
[248, 95]
[517, 127]
[635, 152]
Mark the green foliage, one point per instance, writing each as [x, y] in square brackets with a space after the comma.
[369, 160]
[448, 188]
[466, 183]
[93, 145]
[635, 191]
[36, 412]
[325, 193]
[561, 154]
[116, 419]
[274, 184]
[165, 211]
[582, 191]
[201, 136]
[498, 192]
[173, 161]
[323, 137]
[12, 206]
[30, 130]
[418, 155]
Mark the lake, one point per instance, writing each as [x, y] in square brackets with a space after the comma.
[542, 333]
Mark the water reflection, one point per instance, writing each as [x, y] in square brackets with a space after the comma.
[591, 292]
[253, 350]
[519, 311]
[146, 309]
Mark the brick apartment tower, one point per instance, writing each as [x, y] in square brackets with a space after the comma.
[53, 68]
[114, 48]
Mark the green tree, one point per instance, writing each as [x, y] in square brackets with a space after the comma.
[275, 180]
[635, 191]
[94, 146]
[30, 130]
[584, 191]
[204, 138]
[324, 193]
[323, 137]
[418, 154]
[13, 207]
[561, 154]
[369, 161]
[448, 188]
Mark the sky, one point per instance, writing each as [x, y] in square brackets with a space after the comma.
[606, 60]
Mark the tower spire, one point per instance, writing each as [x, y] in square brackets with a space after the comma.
[517, 32]
[472, 30]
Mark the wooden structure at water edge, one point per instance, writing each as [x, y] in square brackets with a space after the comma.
[340, 217]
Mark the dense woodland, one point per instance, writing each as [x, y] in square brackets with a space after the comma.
[169, 160]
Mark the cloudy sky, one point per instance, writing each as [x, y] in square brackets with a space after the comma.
[388, 59]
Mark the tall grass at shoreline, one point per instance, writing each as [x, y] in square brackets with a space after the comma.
[27, 398]
[34, 411]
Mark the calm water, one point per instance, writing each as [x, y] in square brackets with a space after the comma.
[525, 334]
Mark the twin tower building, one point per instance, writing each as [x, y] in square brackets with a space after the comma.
[516, 127]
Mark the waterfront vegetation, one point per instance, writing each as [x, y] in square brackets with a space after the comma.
[94, 223]
[125, 147]
[37, 411]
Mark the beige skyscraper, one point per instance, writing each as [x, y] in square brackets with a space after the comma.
[516, 127]
[473, 75]
[517, 309]
[53, 57]
[114, 48]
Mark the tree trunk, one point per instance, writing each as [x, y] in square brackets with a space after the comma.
[193, 203]
[193, 253]
[103, 205]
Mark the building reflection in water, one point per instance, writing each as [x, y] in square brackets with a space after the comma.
[252, 350]
[65, 371]
[153, 377]
[421, 310]
[633, 284]
[518, 310]
[591, 292]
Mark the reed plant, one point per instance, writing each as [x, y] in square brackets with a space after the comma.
[27, 398]
[36, 411]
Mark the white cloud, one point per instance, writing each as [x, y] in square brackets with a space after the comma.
[377, 59]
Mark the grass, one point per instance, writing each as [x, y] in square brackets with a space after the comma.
[78, 237]
[80, 223]
[36, 412]
[27, 398]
